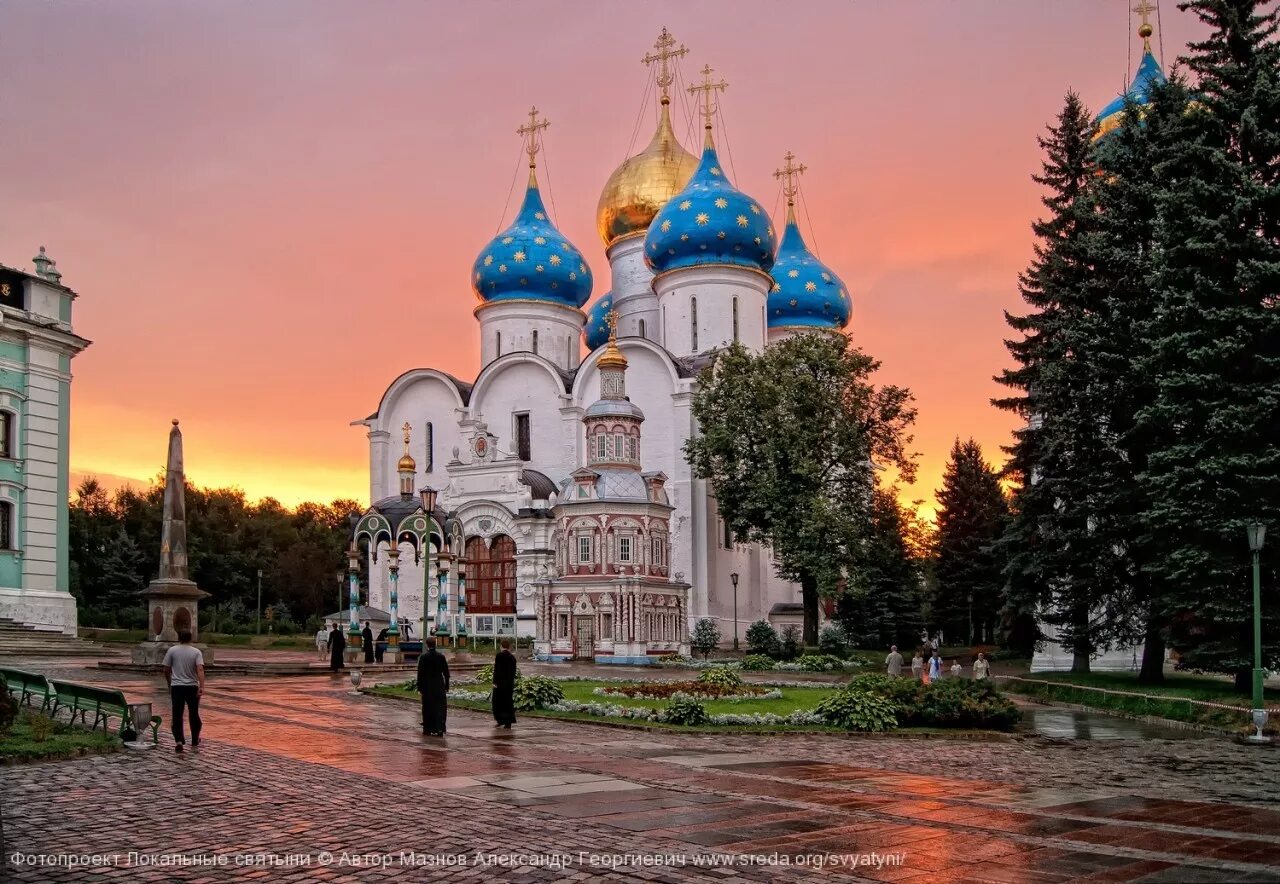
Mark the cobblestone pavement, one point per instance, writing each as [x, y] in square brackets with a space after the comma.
[302, 770]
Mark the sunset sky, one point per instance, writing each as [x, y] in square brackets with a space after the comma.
[269, 209]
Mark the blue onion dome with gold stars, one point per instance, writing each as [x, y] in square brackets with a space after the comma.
[532, 260]
[805, 291]
[595, 332]
[1149, 74]
[710, 222]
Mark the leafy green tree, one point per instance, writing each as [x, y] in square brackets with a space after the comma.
[1214, 464]
[972, 512]
[762, 638]
[706, 637]
[789, 440]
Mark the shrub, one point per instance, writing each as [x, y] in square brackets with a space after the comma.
[537, 692]
[902, 692]
[790, 642]
[960, 702]
[42, 727]
[832, 640]
[484, 675]
[687, 712]
[762, 639]
[8, 708]
[722, 676]
[857, 711]
[756, 663]
[706, 636]
[663, 690]
[819, 663]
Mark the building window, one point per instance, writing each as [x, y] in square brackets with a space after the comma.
[606, 626]
[633, 448]
[624, 550]
[498, 338]
[601, 446]
[7, 447]
[535, 343]
[728, 534]
[430, 435]
[693, 324]
[6, 526]
[562, 626]
[642, 334]
[584, 549]
[735, 320]
[491, 575]
[619, 448]
[524, 439]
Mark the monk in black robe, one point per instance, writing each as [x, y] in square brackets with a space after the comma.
[504, 686]
[337, 644]
[433, 684]
[368, 642]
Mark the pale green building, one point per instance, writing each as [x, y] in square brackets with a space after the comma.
[37, 344]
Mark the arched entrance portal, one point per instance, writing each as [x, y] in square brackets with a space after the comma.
[491, 576]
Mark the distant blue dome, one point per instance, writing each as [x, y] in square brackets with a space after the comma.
[805, 291]
[595, 333]
[531, 260]
[1149, 74]
[710, 222]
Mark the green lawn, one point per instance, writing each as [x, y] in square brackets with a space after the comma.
[20, 743]
[791, 699]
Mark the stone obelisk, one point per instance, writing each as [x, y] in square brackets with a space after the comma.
[172, 598]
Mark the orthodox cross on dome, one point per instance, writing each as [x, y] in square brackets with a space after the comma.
[611, 320]
[406, 429]
[1144, 9]
[708, 90]
[533, 142]
[666, 75]
[789, 173]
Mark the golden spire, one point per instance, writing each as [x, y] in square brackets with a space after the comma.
[407, 463]
[1144, 9]
[708, 90]
[612, 357]
[789, 174]
[666, 75]
[533, 142]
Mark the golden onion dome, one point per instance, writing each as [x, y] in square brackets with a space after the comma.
[643, 184]
[407, 465]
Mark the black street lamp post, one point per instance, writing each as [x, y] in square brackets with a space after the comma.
[1257, 534]
[733, 578]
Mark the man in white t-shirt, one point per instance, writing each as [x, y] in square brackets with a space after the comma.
[184, 672]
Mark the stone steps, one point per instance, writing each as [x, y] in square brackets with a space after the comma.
[20, 640]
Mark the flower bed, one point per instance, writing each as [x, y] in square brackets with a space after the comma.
[798, 718]
[665, 690]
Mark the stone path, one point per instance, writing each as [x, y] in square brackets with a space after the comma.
[300, 780]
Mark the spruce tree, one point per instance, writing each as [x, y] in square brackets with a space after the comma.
[1215, 343]
[971, 516]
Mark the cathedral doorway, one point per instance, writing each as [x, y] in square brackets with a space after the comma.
[491, 576]
[584, 638]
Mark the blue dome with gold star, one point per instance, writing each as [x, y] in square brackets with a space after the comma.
[595, 332]
[1149, 74]
[531, 260]
[805, 291]
[710, 222]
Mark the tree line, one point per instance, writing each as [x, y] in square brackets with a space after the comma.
[115, 552]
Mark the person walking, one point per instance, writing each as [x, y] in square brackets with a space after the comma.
[894, 661]
[381, 646]
[337, 644]
[504, 686]
[433, 684]
[367, 636]
[956, 669]
[917, 666]
[184, 673]
[935, 667]
[322, 640]
[981, 668]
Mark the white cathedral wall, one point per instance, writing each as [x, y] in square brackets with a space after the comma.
[524, 386]
[509, 327]
[632, 289]
[715, 288]
[419, 401]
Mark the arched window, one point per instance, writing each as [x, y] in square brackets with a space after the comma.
[642, 334]
[535, 342]
[693, 324]
[735, 319]
[633, 448]
[491, 576]
[602, 449]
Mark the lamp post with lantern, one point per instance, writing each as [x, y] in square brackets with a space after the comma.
[1257, 535]
[733, 578]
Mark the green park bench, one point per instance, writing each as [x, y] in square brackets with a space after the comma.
[26, 686]
[104, 703]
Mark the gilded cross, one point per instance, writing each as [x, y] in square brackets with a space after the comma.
[789, 173]
[663, 57]
[1144, 9]
[708, 90]
[611, 320]
[406, 429]
[532, 129]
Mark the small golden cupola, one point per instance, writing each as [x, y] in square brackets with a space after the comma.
[407, 467]
[643, 184]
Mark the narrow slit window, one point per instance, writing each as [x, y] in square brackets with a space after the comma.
[693, 324]
[735, 320]
[535, 343]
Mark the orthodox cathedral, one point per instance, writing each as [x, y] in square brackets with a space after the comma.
[558, 503]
